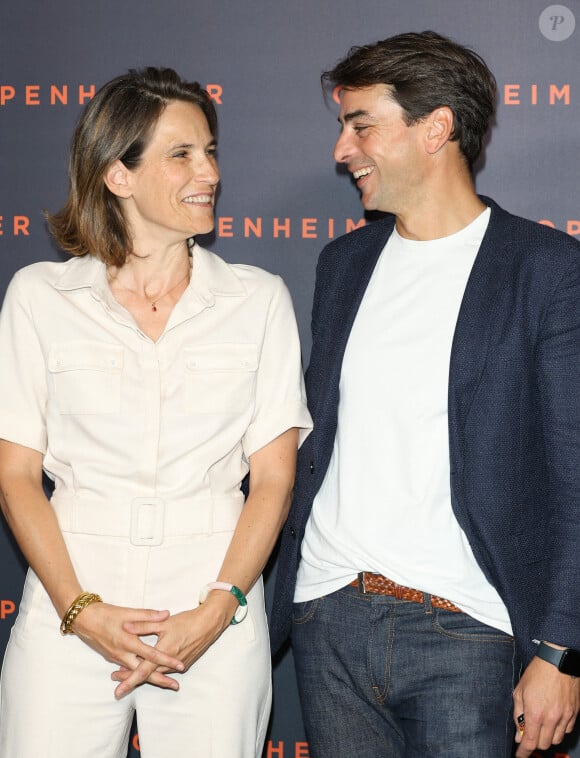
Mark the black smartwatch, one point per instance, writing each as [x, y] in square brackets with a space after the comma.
[567, 661]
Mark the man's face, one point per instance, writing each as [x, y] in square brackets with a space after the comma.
[383, 154]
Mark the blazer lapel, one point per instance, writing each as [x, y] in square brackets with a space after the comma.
[474, 324]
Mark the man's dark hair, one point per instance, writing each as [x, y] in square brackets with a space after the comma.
[426, 71]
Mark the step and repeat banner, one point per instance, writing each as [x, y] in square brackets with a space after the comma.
[282, 197]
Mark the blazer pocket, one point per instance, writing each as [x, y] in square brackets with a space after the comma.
[220, 378]
[86, 377]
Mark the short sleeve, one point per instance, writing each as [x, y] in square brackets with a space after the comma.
[280, 395]
[23, 390]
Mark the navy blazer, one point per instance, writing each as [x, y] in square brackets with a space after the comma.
[514, 417]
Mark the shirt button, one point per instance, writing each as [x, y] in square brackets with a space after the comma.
[293, 532]
[311, 467]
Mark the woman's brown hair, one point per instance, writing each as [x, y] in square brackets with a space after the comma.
[115, 125]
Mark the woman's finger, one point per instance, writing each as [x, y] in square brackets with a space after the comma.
[156, 656]
[145, 672]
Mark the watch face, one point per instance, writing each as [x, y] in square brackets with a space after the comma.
[570, 662]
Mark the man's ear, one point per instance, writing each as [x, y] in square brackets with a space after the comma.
[439, 128]
[117, 179]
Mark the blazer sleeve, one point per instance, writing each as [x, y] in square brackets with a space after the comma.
[558, 377]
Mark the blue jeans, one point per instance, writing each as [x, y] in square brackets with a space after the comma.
[379, 676]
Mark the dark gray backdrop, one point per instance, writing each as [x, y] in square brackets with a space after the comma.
[276, 139]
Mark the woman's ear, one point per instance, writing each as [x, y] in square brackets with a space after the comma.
[117, 179]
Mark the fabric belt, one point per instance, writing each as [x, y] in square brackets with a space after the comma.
[148, 520]
[377, 584]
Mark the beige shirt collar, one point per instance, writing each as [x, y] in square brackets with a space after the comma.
[211, 277]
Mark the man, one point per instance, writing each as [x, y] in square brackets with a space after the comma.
[432, 552]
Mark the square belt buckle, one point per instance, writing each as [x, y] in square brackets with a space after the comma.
[147, 521]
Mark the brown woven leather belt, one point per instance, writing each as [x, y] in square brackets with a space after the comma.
[377, 584]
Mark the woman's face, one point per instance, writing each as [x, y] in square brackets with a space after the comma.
[172, 191]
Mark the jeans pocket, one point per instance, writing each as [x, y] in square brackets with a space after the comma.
[461, 626]
[304, 612]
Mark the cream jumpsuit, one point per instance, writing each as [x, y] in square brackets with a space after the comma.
[147, 443]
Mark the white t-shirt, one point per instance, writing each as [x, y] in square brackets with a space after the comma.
[385, 503]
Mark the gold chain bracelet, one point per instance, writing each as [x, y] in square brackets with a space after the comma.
[84, 599]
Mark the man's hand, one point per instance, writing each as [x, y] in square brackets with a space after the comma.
[549, 701]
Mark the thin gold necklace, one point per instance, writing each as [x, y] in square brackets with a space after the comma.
[160, 297]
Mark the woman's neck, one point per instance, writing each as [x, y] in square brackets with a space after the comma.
[149, 287]
[153, 274]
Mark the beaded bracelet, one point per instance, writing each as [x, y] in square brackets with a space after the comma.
[84, 599]
[241, 610]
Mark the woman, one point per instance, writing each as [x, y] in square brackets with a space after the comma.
[147, 377]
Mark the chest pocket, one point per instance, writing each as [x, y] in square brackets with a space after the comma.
[86, 377]
[220, 378]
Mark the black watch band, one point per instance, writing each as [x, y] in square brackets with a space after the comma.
[567, 661]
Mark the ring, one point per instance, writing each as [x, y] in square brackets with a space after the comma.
[521, 724]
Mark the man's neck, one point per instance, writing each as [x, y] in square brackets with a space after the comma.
[445, 203]
[435, 220]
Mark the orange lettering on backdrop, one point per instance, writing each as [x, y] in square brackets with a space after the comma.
[330, 228]
[1, 219]
[21, 224]
[250, 226]
[6, 93]
[278, 227]
[225, 226]
[7, 607]
[547, 222]
[511, 94]
[534, 89]
[351, 224]
[86, 94]
[573, 227]
[215, 92]
[301, 750]
[57, 94]
[309, 228]
[560, 94]
[31, 94]
[272, 751]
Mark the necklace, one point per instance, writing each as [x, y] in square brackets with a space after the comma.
[160, 297]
